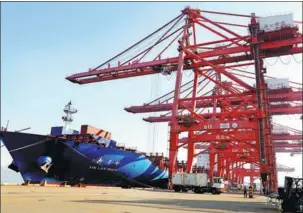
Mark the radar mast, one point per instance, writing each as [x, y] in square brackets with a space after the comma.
[68, 118]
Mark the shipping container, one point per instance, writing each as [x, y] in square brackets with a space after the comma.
[203, 160]
[87, 129]
[216, 165]
[195, 179]
[277, 22]
[198, 146]
[279, 130]
[75, 132]
[56, 130]
[197, 182]
[277, 83]
[112, 144]
[68, 132]
[177, 179]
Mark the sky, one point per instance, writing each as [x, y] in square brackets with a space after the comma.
[44, 42]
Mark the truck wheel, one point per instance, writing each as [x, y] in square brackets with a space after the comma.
[176, 188]
[184, 189]
[196, 190]
[125, 186]
[214, 191]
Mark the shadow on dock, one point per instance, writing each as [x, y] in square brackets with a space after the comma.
[191, 205]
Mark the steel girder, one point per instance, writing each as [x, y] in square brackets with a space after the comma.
[252, 111]
[281, 96]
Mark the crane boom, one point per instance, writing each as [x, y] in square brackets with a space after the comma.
[236, 105]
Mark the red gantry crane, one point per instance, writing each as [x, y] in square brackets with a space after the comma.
[239, 113]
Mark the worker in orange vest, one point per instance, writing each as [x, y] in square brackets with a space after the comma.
[250, 192]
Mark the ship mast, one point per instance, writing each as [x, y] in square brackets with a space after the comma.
[68, 118]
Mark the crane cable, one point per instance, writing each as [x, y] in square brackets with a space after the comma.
[156, 125]
[150, 124]
[33, 144]
[157, 94]
[285, 63]
[152, 127]
[168, 78]
[245, 67]
[138, 43]
[277, 58]
[128, 55]
[298, 62]
[153, 40]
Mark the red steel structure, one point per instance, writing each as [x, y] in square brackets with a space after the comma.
[239, 113]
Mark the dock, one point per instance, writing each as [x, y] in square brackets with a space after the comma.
[37, 199]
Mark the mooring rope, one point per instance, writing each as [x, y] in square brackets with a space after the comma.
[34, 144]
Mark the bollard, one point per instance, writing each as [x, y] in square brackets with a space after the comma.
[43, 183]
[63, 184]
[82, 185]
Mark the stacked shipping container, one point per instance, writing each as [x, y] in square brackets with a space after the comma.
[87, 129]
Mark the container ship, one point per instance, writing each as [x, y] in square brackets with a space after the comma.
[88, 156]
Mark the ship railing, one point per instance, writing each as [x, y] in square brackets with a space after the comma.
[157, 154]
[102, 144]
[80, 138]
[3, 129]
[142, 153]
[120, 146]
[131, 149]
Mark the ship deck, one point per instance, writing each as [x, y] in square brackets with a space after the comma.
[37, 199]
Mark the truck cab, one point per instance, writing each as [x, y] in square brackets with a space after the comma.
[218, 185]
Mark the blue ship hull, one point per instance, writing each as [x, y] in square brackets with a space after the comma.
[73, 162]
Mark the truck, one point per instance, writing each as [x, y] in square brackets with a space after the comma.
[291, 195]
[197, 182]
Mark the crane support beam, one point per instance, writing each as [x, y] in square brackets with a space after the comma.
[238, 115]
[245, 135]
[210, 125]
[216, 136]
[246, 172]
[273, 111]
[207, 101]
[277, 145]
[293, 150]
[205, 149]
[289, 137]
[146, 68]
[290, 110]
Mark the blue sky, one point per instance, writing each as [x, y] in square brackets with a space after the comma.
[42, 43]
